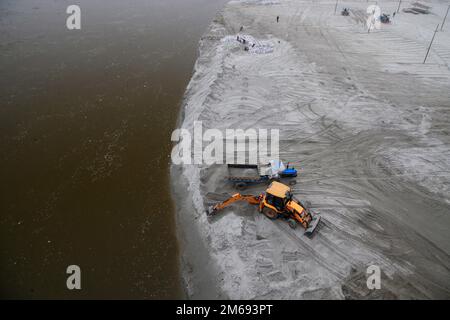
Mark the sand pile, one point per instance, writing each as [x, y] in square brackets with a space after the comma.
[367, 123]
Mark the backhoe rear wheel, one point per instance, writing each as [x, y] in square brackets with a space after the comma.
[269, 213]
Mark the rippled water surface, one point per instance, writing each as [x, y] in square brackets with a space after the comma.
[85, 123]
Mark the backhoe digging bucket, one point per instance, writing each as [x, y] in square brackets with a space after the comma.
[312, 225]
[211, 210]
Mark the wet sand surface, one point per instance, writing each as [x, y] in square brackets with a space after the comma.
[367, 124]
[85, 124]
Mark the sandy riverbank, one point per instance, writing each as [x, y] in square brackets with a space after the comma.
[368, 124]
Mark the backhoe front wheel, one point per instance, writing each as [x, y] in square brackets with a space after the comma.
[292, 223]
[269, 213]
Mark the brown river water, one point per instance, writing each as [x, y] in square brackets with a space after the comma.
[85, 123]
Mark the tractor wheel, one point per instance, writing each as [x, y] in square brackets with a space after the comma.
[292, 223]
[269, 213]
[241, 185]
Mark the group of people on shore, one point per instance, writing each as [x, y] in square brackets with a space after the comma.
[246, 42]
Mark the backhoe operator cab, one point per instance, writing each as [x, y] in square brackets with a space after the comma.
[278, 201]
[277, 196]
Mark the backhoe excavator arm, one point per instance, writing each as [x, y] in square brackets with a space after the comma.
[255, 200]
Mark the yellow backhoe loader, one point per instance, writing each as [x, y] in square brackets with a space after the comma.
[276, 202]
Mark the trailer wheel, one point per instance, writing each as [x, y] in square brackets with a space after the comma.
[292, 223]
[269, 213]
[241, 185]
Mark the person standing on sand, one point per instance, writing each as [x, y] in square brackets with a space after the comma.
[278, 18]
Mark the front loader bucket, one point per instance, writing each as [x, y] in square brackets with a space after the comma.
[312, 225]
